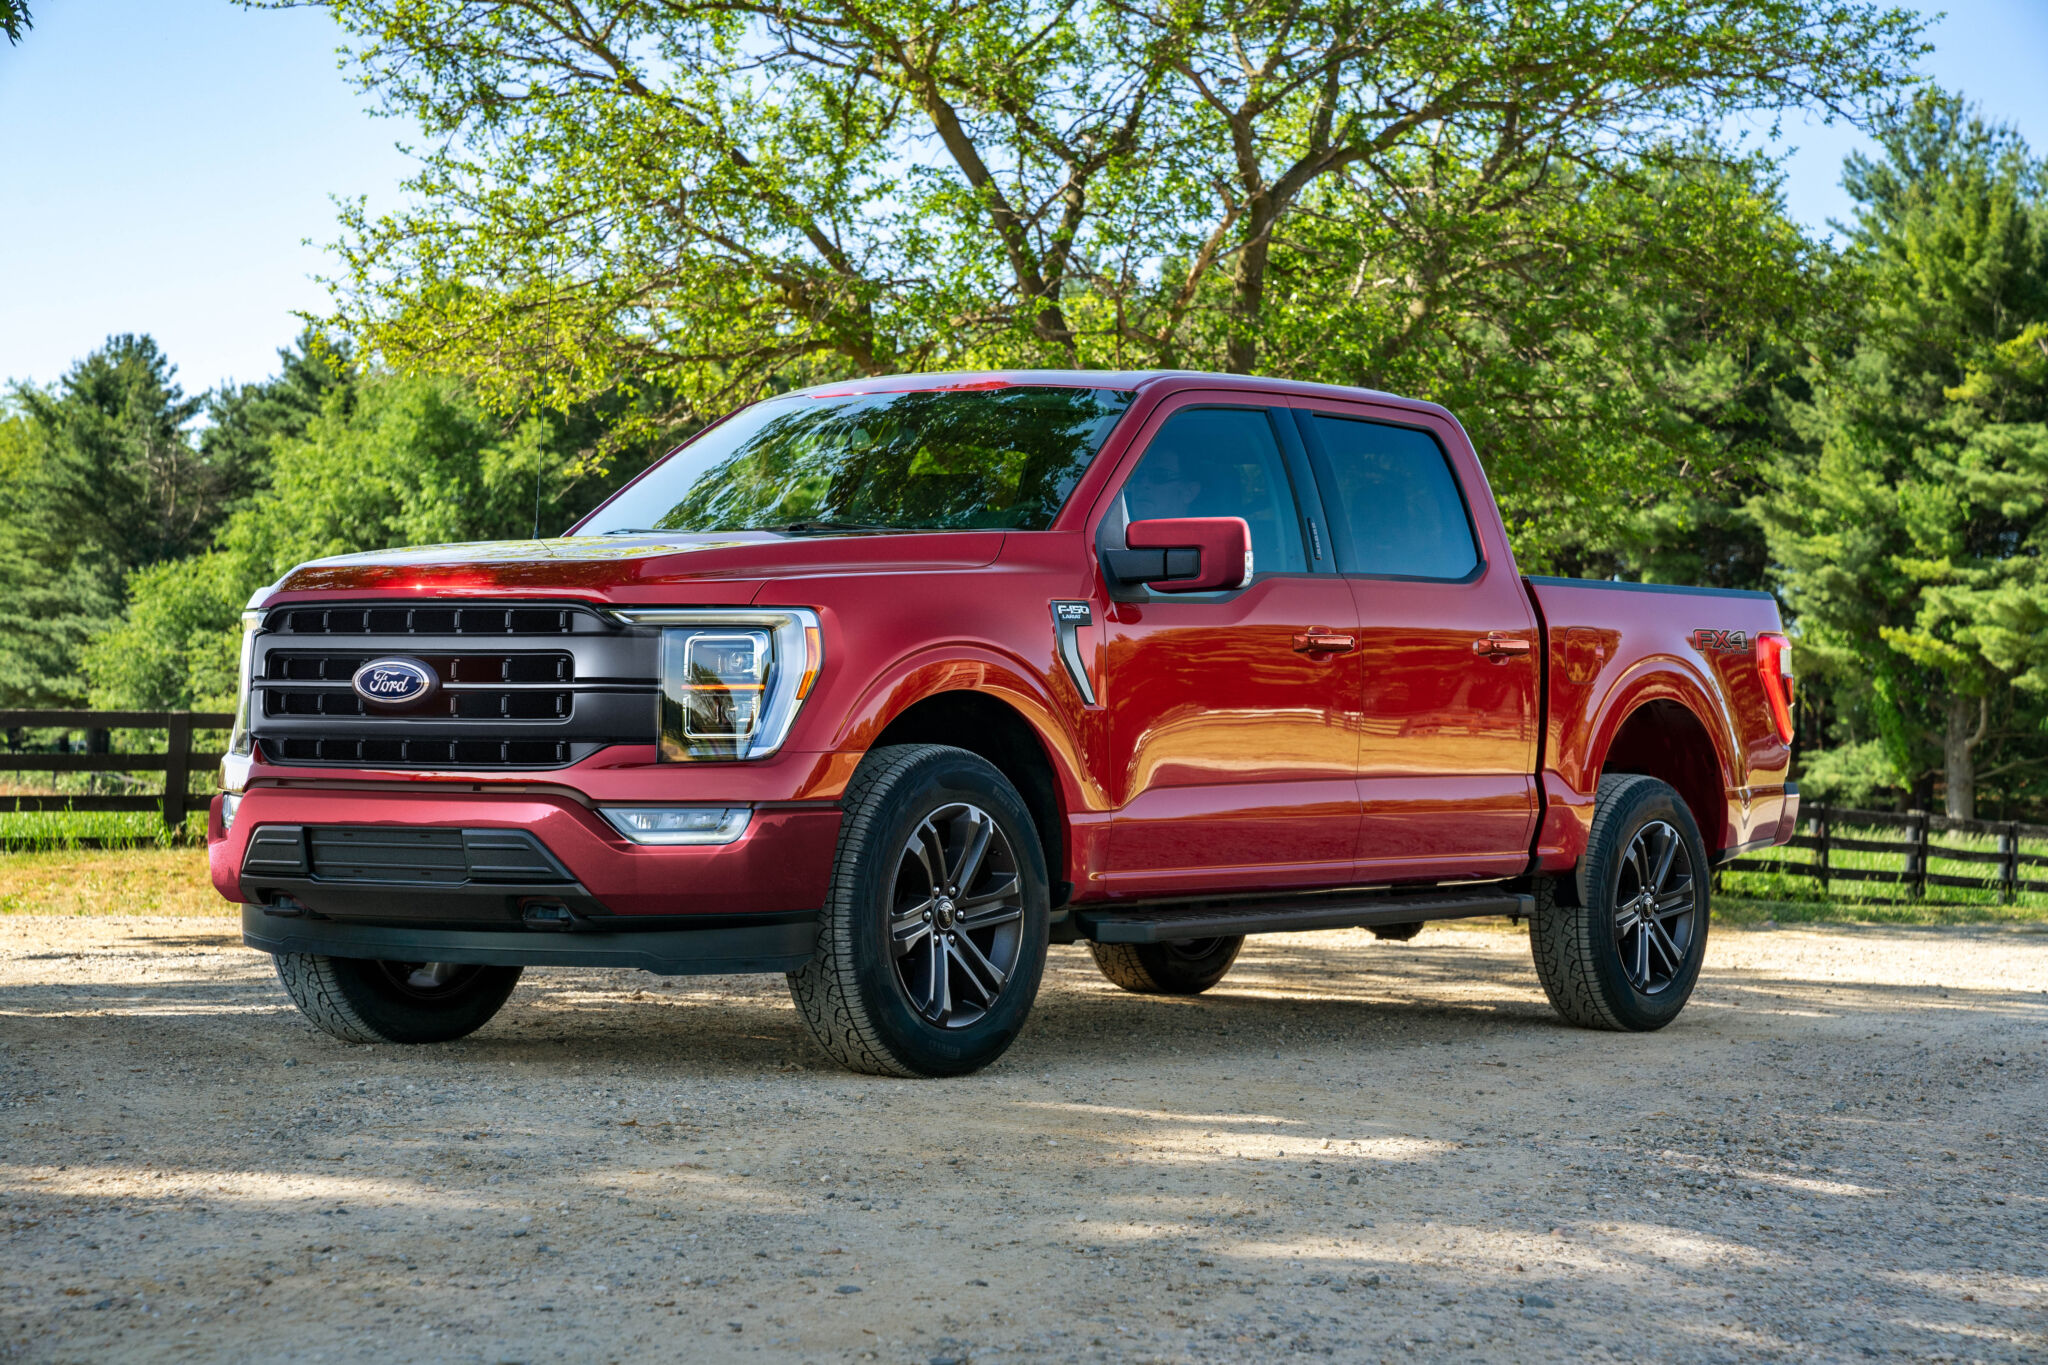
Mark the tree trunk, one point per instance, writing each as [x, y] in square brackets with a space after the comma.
[1966, 717]
[1248, 283]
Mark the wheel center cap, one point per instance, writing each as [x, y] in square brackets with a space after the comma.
[942, 910]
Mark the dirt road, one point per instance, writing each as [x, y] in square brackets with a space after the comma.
[1350, 1150]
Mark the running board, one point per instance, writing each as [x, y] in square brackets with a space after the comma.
[1290, 915]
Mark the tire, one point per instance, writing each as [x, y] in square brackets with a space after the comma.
[884, 994]
[360, 1001]
[1188, 967]
[1396, 933]
[1601, 963]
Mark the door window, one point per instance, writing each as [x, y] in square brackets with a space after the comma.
[1393, 501]
[1222, 462]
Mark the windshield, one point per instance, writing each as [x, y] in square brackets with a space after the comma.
[931, 459]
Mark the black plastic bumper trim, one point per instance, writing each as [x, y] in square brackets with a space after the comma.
[782, 944]
[1292, 915]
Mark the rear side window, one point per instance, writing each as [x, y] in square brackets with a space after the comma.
[1222, 462]
[1394, 501]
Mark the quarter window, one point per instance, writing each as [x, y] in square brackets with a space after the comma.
[1221, 462]
[1394, 500]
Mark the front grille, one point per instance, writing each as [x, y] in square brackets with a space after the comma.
[422, 753]
[400, 856]
[479, 705]
[534, 666]
[428, 620]
[591, 685]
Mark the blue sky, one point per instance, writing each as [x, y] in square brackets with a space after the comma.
[168, 168]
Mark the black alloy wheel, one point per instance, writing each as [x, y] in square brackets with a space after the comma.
[1654, 908]
[932, 939]
[957, 916]
[1619, 941]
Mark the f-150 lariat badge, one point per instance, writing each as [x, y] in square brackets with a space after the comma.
[1067, 620]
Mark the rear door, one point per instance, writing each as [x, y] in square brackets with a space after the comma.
[1449, 645]
[1233, 733]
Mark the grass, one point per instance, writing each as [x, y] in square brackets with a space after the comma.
[28, 831]
[1791, 896]
[134, 881]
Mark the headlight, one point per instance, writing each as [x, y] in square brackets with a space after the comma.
[234, 766]
[731, 681]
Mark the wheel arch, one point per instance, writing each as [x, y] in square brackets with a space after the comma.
[1662, 736]
[992, 712]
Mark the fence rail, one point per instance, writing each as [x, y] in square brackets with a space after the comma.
[2003, 866]
[177, 762]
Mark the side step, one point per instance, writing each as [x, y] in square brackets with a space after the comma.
[1291, 914]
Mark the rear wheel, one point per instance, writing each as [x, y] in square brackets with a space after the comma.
[360, 1001]
[933, 936]
[1187, 967]
[1619, 944]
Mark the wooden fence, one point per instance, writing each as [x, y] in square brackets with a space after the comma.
[177, 762]
[2004, 867]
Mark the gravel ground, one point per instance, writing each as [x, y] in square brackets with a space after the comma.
[1350, 1149]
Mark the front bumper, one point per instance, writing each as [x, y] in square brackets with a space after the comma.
[725, 943]
[780, 866]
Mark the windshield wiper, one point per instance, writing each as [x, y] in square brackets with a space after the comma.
[637, 531]
[805, 528]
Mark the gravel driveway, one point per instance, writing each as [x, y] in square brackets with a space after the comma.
[1350, 1150]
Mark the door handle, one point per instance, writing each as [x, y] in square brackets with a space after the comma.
[1323, 642]
[1497, 646]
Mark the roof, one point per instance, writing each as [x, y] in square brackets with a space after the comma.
[1106, 379]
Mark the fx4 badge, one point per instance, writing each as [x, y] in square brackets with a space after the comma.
[1721, 641]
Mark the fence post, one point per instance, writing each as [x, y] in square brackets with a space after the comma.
[1821, 828]
[2009, 869]
[1916, 855]
[177, 769]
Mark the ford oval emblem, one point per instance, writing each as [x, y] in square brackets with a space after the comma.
[395, 682]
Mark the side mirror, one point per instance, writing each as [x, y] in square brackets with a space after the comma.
[1183, 554]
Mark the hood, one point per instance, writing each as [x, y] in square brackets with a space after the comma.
[729, 566]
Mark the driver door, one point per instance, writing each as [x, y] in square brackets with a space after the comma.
[1233, 735]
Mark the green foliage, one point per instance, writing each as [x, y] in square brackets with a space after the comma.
[1911, 541]
[14, 19]
[352, 459]
[673, 207]
[104, 479]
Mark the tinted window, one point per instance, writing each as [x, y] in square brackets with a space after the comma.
[1221, 462]
[1395, 502]
[944, 459]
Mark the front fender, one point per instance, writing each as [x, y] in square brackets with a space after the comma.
[965, 667]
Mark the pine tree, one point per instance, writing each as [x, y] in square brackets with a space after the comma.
[1913, 547]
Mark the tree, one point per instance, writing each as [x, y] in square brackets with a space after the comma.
[1913, 545]
[713, 197]
[355, 459]
[14, 19]
[105, 480]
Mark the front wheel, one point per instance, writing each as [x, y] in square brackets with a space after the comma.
[1186, 967]
[932, 940]
[360, 1001]
[1619, 945]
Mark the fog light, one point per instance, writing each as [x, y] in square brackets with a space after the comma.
[679, 824]
[229, 804]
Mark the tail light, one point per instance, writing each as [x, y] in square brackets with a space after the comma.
[1774, 666]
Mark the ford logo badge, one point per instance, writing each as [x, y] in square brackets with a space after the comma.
[395, 682]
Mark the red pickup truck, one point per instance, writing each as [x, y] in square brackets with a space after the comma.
[888, 685]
